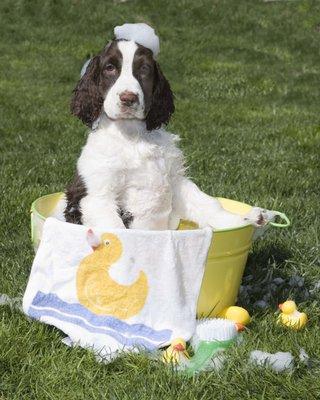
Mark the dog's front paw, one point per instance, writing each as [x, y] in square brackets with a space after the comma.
[259, 217]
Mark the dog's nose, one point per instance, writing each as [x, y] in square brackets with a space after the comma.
[128, 98]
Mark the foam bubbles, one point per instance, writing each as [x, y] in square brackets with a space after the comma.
[140, 33]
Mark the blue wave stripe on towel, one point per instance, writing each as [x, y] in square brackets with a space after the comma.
[132, 341]
[73, 309]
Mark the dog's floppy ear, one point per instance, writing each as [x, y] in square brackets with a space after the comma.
[87, 100]
[162, 106]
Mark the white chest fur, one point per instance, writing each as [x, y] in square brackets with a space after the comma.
[134, 169]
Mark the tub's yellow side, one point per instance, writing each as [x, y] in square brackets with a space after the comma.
[226, 261]
[40, 210]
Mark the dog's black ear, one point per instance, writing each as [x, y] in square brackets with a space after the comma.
[162, 105]
[87, 101]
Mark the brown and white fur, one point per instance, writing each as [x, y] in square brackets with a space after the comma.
[131, 173]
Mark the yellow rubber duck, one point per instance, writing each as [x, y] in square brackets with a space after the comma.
[176, 353]
[290, 316]
[101, 294]
[237, 314]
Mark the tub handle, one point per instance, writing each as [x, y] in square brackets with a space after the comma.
[283, 217]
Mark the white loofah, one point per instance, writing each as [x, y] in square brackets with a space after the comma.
[213, 329]
[141, 33]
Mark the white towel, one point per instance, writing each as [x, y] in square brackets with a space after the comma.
[120, 290]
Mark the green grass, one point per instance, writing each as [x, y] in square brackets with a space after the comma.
[246, 79]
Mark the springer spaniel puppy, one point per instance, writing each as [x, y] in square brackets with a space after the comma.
[131, 173]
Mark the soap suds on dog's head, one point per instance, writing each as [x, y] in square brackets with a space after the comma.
[141, 33]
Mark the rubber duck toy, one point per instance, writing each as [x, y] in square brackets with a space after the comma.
[290, 316]
[176, 353]
[237, 314]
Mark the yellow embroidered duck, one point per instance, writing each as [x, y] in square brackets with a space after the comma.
[101, 294]
[290, 316]
[176, 353]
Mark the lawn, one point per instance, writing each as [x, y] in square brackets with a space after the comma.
[246, 80]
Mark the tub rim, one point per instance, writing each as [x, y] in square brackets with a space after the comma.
[34, 210]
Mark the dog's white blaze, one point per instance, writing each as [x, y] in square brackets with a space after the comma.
[127, 50]
[125, 82]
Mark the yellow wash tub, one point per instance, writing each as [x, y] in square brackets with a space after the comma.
[226, 260]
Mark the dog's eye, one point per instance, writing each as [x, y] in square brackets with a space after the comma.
[110, 68]
[145, 68]
[107, 242]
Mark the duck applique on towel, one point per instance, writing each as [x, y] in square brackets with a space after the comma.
[97, 291]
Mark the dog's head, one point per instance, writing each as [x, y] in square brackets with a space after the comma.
[125, 82]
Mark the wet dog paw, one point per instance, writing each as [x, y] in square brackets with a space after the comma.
[258, 216]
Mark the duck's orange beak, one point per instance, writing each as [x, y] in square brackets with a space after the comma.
[240, 327]
[179, 347]
[280, 306]
[92, 239]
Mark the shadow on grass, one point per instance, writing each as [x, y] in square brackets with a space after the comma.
[266, 282]
[264, 254]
